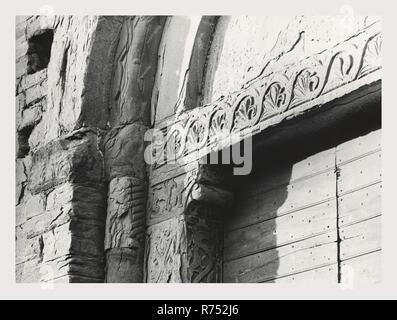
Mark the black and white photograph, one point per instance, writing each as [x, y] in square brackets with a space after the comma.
[195, 148]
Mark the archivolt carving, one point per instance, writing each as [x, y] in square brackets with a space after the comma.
[278, 92]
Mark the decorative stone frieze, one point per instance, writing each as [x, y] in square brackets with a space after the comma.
[274, 96]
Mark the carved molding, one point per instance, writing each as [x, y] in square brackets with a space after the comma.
[257, 105]
[203, 239]
[163, 256]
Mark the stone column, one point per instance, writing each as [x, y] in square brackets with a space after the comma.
[134, 71]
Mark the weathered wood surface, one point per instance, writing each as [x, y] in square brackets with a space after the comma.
[322, 275]
[286, 220]
[285, 171]
[281, 230]
[359, 208]
[283, 200]
[359, 173]
[360, 238]
[358, 147]
[360, 205]
[285, 260]
[363, 269]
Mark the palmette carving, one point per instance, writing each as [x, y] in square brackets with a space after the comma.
[246, 110]
[372, 59]
[306, 87]
[278, 92]
[274, 100]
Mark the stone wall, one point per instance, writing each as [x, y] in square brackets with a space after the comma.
[61, 118]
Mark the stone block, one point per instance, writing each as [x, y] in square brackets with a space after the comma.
[27, 248]
[21, 47]
[30, 80]
[35, 93]
[87, 238]
[30, 117]
[21, 66]
[30, 207]
[123, 265]
[123, 152]
[75, 158]
[57, 242]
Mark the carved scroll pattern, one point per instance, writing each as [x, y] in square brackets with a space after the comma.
[187, 246]
[277, 93]
[163, 253]
[203, 253]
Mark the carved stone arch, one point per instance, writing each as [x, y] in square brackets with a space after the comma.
[198, 61]
[134, 70]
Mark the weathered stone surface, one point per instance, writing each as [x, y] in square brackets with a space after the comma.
[202, 237]
[168, 198]
[280, 94]
[21, 47]
[135, 69]
[123, 265]
[75, 158]
[212, 195]
[20, 66]
[123, 152]
[163, 258]
[35, 93]
[184, 232]
[173, 65]
[30, 80]
[78, 74]
[63, 111]
[125, 221]
[88, 203]
[99, 71]
[61, 207]
[27, 248]
[56, 242]
[30, 117]
[65, 269]
[246, 46]
[21, 177]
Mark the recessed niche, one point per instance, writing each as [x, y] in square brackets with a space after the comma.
[39, 50]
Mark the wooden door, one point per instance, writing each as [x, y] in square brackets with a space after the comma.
[312, 217]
